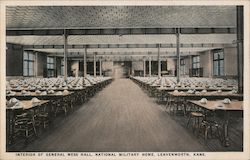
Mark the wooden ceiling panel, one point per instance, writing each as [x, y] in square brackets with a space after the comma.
[35, 40]
[120, 16]
[125, 39]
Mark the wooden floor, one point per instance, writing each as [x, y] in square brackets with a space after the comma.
[119, 118]
[235, 130]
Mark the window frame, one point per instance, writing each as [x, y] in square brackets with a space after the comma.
[218, 62]
[196, 63]
[30, 64]
[182, 67]
[50, 66]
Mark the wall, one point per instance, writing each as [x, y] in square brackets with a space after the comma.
[75, 68]
[186, 66]
[137, 68]
[107, 68]
[206, 63]
[154, 67]
[137, 65]
[41, 64]
[14, 60]
[171, 64]
[230, 57]
[230, 60]
[121, 69]
[58, 66]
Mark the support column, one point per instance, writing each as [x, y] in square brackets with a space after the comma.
[65, 55]
[36, 65]
[144, 67]
[191, 65]
[149, 66]
[159, 62]
[85, 63]
[240, 47]
[178, 54]
[100, 65]
[55, 67]
[210, 60]
[94, 64]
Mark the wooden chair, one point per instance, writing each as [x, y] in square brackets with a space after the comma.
[61, 105]
[196, 117]
[177, 106]
[208, 126]
[170, 104]
[43, 116]
[24, 126]
[180, 106]
[64, 105]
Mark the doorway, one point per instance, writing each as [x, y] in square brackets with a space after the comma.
[122, 69]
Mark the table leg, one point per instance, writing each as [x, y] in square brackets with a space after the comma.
[225, 129]
[10, 126]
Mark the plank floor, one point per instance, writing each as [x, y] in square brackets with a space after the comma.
[119, 118]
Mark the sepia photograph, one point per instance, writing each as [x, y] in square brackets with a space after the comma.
[122, 80]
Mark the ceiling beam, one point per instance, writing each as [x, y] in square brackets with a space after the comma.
[202, 45]
[126, 58]
[120, 31]
[98, 55]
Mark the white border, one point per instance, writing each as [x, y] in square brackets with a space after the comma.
[209, 155]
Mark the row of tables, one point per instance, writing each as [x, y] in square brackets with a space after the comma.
[51, 101]
[214, 96]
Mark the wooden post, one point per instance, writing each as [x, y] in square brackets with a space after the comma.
[100, 69]
[94, 64]
[65, 55]
[159, 62]
[178, 53]
[144, 67]
[85, 63]
[149, 66]
[240, 47]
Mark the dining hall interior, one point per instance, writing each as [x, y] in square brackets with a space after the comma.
[124, 78]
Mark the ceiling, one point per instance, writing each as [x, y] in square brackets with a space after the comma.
[120, 16]
[101, 17]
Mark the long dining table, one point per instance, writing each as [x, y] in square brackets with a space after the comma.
[58, 100]
[54, 98]
[12, 111]
[208, 95]
[30, 95]
[164, 91]
[181, 98]
[219, 105]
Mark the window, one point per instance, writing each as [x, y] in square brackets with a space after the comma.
[218, 62]
[182, 67]
[28, 63]
[50, 66]
[182, 62]
[196, 62]
[196, 70]
[62, 67]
